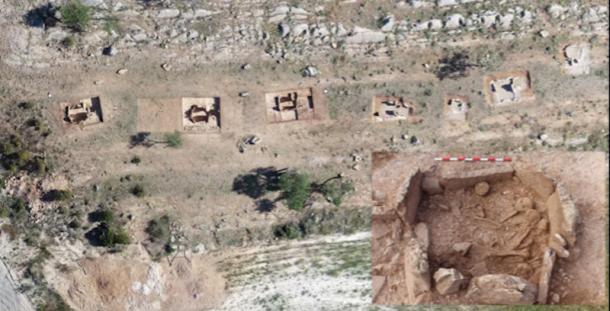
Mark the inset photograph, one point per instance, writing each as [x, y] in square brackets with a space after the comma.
[494, 230]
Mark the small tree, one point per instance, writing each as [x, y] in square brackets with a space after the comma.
[174, 139]
[76, 15]
[296, 189]
[454, 66]
[158, 229]
[136, 160]
[288, 231]
[103, 215]
[138, 191]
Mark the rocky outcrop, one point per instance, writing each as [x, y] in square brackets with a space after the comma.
[285, 31]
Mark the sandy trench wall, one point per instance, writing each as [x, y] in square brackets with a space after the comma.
[407, 208]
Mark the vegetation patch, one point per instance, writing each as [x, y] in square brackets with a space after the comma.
[76, 15]
[108, 232]
[159, 232]
[58, 195]
[296, 189]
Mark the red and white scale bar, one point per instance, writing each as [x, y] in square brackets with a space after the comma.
[473, 159]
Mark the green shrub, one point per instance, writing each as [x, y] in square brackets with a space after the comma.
[76, 15]
[2, 183]
[75, 223]
[138, 191]
[110, 235]
[103, 215]
[39, 166]
[26, 105]
[111, 24]
[288, 231]
[58, 195]
[10, 230]
[69, 42]
[53, 302]
[174, 139]
[4, 212]
[334, 191]
[136, 160]
[19, 210]
[296, 189]
[118, 236]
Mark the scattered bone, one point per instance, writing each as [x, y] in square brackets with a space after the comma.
[525, 203]
[509, 216]
[488, 222]
[495, 253]
[560, 239]
[515, 243]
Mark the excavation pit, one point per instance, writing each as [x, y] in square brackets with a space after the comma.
[200, 114]
[290, 105]
[456, 107]
[577, 59]
[508, 88]
[86, 112]
[186, 114]
[470, 233]
[392, 108]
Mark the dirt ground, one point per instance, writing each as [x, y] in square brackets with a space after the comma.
[493, 224]
[137, 283]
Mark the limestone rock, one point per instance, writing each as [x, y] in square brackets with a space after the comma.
[310, 71]
[462, 248]
[501, 289]
[422, 235]
[417, 271]
[563, 218]
[388, 23]
[481, 188]
[457, 177]
[449, 281]
[168, 13]
[548, 261]
[362, 35]
[431, 185]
